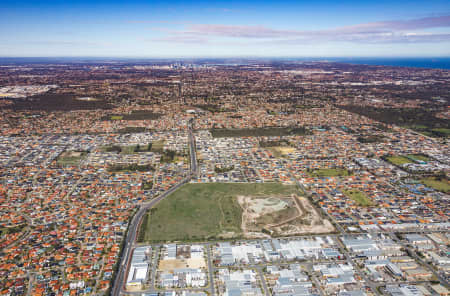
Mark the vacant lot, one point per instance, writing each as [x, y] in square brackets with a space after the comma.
[280, 216]
[281, 151]
[359, 197]
[71, 158]
[171, 264]
[337, 172]
[204, 211]
[439, 184]
[157, 146]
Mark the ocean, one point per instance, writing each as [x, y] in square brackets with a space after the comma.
[433, 63]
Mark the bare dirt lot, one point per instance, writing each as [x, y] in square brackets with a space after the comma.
[171, 264]
[278, 216]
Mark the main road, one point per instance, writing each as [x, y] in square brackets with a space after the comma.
[136, 221]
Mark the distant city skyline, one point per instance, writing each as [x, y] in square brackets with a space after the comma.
[225, 29]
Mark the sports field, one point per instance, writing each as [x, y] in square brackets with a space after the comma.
[440, 184]
[204, 211]
[359, 197]
[398, 159]
[418, 157]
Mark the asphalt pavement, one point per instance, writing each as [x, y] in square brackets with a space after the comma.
[135, 222]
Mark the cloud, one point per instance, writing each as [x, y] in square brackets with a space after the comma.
[422, 23]
[236, 31]
[378, 38]
[182, 39]
[397, 31]
[157, 22]
[68, 43]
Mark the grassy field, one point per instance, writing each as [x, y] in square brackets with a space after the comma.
[134, 167]
[204, 211]
[359, 197]
[431, 132]
[418, 157]
[11, 230]
[147, 185]
[441, 132]
[132, 149]
[441, 184]
[71, 158]
[398, 159]
[158, 146]
[329, 173]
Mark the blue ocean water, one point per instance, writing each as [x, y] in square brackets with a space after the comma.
[433, 63]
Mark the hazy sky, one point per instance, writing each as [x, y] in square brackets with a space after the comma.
[225, 28]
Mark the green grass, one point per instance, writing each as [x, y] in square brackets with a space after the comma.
[11, 230]
[204, 211]
[147, 185]
[359, 197]
[329, 173]
[158, 146]
[128, 149]
[398, 159]
[418, 157]
[439, 184]
[134, 167]
[65, 160]
[431, 132]
[417, 127]
[441, 132]
[132, 149]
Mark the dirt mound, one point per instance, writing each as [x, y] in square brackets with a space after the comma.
[280, 216]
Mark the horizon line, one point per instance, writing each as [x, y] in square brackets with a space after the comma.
[217, 57]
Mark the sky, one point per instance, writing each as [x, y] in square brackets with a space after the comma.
[165, 29]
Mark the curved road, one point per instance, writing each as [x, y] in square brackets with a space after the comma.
[135, 222]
